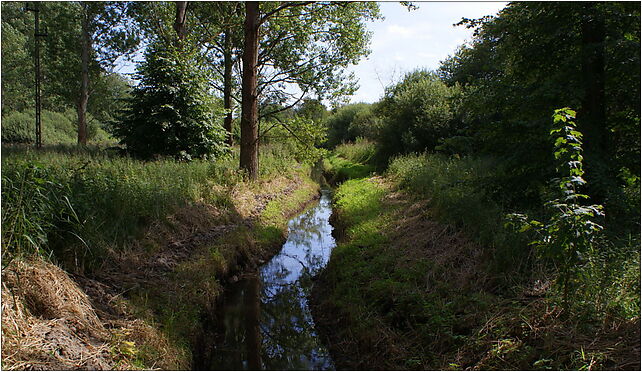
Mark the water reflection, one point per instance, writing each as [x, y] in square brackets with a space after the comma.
[265, 322]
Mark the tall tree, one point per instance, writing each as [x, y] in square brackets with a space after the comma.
[303, 44]
[105, 36]
[249, 159]
[85, 50]
[592, 52]
[221, 24]
[592, 116]
[180, 23]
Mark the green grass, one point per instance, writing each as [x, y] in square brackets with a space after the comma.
[361, 151]
[69, 203]
[373, 284]
[350, 161]
[460, 195]
[385, 296]
[75, 206]
[57, 128]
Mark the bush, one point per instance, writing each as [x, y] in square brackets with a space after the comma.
[418, 113]
[350, 122]
[171, 112]
[57, 128]
[18, 127]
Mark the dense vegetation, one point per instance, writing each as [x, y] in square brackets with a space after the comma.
[547, 201]
[488, 212]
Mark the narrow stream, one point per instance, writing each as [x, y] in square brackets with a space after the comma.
[265, 322]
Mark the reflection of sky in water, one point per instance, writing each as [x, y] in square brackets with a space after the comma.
[287, 339]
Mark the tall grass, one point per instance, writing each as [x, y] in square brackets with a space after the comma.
[89, 201]
[361, 151]
[457, 189]
[460, 191]
[57, 128]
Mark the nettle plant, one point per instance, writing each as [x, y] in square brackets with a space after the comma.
[569, 235]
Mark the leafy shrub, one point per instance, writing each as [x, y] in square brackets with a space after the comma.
[18, 127]
[350, 122]
[418, 113]
[171, 112]
[569, 236]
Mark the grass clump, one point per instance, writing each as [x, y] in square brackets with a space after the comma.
[163, 235]
[350, 161]
[87, 204]
[361, 151]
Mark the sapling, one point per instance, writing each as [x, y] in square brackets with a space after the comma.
[568, 237]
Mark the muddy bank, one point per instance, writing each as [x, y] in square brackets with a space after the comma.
[145, 306]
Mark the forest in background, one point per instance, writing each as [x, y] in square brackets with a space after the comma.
[527, 140]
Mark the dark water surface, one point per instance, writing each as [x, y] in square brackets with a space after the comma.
[265, 322]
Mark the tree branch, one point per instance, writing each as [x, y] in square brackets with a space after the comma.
[280, 8]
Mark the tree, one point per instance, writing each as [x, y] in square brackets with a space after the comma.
[533, 57]
[220, 23]
[305, 44]
[312, 109]
[418, 113]
[61, 63]
[105, 35]
[348, 122]
[214, 27]
[171, 112]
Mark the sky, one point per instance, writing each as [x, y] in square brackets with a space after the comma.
[404, 41]
[407, 40]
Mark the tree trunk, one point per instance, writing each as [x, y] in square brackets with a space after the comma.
[179, 22]
[227, 85]
[85, 44]
[592, 116]
[249, 105]
[253, 323]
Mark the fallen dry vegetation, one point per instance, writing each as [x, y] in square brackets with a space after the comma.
[141, 308]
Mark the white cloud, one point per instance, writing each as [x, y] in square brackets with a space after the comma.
[405, 41]
[397, 30]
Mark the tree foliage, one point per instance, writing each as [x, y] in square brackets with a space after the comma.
[418, 112]
[532, 58]
[351, 121]
[171, 111]
[112, 34]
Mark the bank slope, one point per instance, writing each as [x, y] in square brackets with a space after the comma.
[402, 291]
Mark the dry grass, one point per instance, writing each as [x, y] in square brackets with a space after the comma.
[52, 320]
[456, 260]
[48, 322]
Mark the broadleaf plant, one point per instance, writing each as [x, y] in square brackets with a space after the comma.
[568, 237]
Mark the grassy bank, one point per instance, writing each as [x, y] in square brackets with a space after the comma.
[350, 161]
[149, 245]
[426, 277]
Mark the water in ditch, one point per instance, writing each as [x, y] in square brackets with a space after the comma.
[264, 321]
